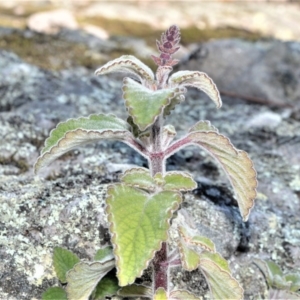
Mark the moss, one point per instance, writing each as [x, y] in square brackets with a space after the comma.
[193, 34]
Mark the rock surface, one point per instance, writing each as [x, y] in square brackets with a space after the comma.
[65, 207]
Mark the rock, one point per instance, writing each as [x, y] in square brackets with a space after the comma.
[66, 208]
[96, 31]
[266, 69]
[51, 22]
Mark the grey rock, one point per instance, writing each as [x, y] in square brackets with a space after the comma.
[264, 69]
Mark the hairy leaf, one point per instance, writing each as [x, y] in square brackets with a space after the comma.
[104, 254]
[203, 126]
[140, 178]
[84, 277]
[236, 164]
[145, 105]
[55, 293]
[269, 270]
[160, 294]
[128, 64]
[198, 80]
[63, 261]
[294, 278]
[179, 181]
[135, 290]
[75, 132]
[108, 286]
[190, 259]
[182, 295]
[138, 223]
[194, 239]
[217, 273]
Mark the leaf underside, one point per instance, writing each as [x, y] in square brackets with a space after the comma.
[128, 64]
[236, 164]
[197, 80]
[216, 271]
[75, 132]
[84, 277]
[63, 261]
[138, 223]
[203, 126]
[145, 105]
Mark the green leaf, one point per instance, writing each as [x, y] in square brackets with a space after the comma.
[55, 293]
[145, 105]
[135, 290]
[108, 286]
[138, 223]
[194, 239]
[217, 273]
[236, 164]
[160, 294]
[140, 178]
[190, 259]
[75, 132]
[179, 181]
[84, 277]
[128, 64]
[177, 100]
[63, 261]
[104, 254]
[197, 80]
[182, 295]
[273, 274]
[294, 278]
[203, 126]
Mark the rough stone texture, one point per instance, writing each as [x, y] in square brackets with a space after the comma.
[65, 207]
[269, 70]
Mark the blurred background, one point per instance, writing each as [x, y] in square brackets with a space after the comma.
[52, 44]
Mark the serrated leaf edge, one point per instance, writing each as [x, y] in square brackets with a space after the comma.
[184, 174]
[182, 256]
[113, 234]
[241, 152]
[143, 73]
[177, 92]
[43, 157]
[194, 74]
[222, 271]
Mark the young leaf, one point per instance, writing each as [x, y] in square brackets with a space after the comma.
[160, 294]
[138, 223]
[236, 164]
[104, 254]
[140, 178]
[179, 181]
[55, 293]
[217, 273]
[189, 258]
[182, 295]
[203, 126]
[135, 290]
[84, 277]
[295, 280]
[198, 80]
[75, 132]
[108, 286]
[145, 105]
[63, 261]
[270, 270]
[194, 239]
[128, 64]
